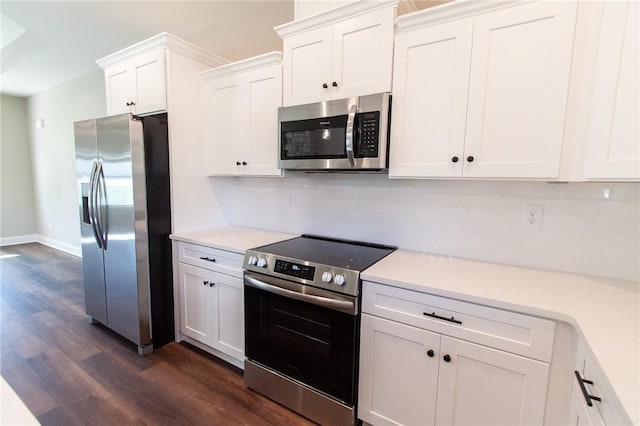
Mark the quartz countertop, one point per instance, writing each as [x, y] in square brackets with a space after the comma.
[231, 238]
[605, 312]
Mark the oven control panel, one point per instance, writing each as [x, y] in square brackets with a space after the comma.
[340, 280]
[297, 270]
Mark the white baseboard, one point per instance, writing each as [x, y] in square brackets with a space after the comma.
[19, 239]
[67, 248]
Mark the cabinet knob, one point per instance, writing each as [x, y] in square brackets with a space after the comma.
[447, 358]
[454, 159]
[212, 284]
[244, 163]
[334, 84]
[324, 86]
[430, 353]
[237, 163]
[470, 158]
[205, 282]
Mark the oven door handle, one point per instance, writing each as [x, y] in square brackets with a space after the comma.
[325, 302]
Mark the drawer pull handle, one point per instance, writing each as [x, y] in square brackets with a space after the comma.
[433, 315]
[587, 397]
[206, 258]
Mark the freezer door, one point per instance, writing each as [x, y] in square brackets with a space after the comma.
[92, 258]
[123, 224]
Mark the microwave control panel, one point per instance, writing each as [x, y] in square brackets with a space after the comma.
[369, 129]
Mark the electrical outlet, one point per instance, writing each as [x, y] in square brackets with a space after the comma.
[532, 217]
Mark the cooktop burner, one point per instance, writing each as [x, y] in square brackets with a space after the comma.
[328, 263]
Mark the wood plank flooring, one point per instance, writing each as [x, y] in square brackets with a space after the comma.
[69, 372]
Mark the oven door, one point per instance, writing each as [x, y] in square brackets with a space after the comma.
[307, 334]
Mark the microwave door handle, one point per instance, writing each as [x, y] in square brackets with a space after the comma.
[351, 118]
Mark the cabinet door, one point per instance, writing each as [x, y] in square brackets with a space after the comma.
[225, 102]
[228, 316]
[264, 95]
[147, 70]
[613, 150]
[139, 81]
[362, 54]
[306, 66]
[195, 302]
[518, 90]
[119, 83]
[484, 386]
[430, 86]
[398, 378]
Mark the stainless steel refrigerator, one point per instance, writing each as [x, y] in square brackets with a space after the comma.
[125, 220]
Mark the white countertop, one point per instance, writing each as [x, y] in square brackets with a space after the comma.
[606, 312]
[232, 238]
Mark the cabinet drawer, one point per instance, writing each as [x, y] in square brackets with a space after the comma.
[496, 328]
[213, 259]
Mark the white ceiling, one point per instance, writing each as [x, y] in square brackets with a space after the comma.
[45, 43]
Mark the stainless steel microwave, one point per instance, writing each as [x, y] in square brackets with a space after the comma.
[346, 134]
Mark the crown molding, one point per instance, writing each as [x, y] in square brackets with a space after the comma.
[163, 40]
[449, 11]
[249, 64]
[331, 16]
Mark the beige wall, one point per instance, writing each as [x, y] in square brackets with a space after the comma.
[246, 37]
[17, 215]
[53, 155]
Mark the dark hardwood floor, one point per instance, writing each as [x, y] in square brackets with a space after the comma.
[69, 372]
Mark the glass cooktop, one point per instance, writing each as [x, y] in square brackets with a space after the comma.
[354, 255]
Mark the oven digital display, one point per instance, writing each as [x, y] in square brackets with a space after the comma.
[294, 270]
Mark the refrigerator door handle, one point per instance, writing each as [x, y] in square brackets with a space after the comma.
[101, 193]
[92, 203]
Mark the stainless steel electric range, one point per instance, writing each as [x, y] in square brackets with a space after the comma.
[302, 323]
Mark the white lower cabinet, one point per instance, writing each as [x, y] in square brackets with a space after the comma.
[211, 303]
[593, 401]
[411, 375]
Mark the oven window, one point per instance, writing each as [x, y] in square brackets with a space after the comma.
[311, 344]
[322, 138]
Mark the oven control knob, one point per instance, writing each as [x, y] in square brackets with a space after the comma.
[339, 279]
[261, 263]
[252, 260]
[327, 277]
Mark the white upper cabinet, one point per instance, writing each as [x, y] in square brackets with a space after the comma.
[613, 141]
[341, 53]
[484, 94]
[430, 85]
[241, 116]
[136, 85]
[135, 77]
[307, 67]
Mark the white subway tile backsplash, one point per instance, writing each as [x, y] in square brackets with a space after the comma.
[587, 228]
